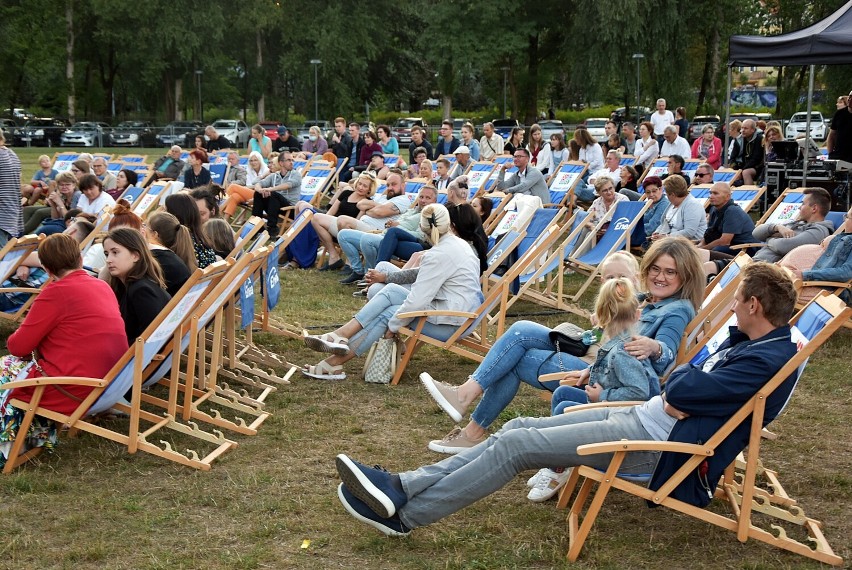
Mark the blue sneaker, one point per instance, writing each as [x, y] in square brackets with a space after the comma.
[357, 508]
[375, 487]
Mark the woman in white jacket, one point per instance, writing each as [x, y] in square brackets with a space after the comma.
[448, 280]
[540, 154]
[647, 147]
[238, 194]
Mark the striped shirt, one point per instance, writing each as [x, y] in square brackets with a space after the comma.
[11, 213]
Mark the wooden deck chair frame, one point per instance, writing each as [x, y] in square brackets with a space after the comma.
[771, 211]
[199, 376]
[476, 182]
[99, 231]
[269, 323]
[166, 328]
[12, 255]
[149, 202]
[558, 178]
[591, 242]
[747, 205]
[744, 497]
[550, 270]
[133, 203]
[505, 246]
[461, 342]
[497, 211]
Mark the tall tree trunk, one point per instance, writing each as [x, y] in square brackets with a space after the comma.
[778, 91]
[715, 65]
[706, 73]
[69, 59]
[261, 102]
[178, 116]
[531, 91]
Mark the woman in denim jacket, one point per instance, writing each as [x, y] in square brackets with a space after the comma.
[672, 276]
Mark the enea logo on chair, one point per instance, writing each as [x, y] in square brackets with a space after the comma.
[621, 224]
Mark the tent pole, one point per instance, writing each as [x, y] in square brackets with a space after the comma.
[808, 129]
[725, 156]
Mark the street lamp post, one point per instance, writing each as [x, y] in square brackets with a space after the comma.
[198, 74]
[316, 63]
[505, 81]
[638, 57]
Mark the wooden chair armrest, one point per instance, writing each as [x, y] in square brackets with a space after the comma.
[642, 445]
[551, 376]
[828, 284]
[413, 314]
[55, 380]
[582, 407]
[747, 246]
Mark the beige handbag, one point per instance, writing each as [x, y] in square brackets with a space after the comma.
[382, 361]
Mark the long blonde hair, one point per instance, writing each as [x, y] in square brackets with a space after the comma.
[434, 222]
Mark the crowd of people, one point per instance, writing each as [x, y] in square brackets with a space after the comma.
[641, 312]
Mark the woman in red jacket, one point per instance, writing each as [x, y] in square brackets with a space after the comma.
[708, 147]
[73, 311]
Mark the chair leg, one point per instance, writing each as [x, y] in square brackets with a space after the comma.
[568, 490]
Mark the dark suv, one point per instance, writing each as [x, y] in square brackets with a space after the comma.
[133, 133]
[41, 132]
[503, 127]
[179, 132]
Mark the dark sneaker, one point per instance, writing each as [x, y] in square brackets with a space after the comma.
[373, 485]
[357, 508]
[345, 270]
[353, 278]
[333, 267]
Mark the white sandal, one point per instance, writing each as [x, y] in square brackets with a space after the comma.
[328, 342]
[324, 371]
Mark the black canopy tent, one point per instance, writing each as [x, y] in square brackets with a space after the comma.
[827, 42]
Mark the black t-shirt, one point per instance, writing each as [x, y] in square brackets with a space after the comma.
[139, 306]
[347, 208]
[290, 144]
[220, 143]
[841, 123]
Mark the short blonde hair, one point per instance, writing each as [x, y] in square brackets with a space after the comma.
[616, 303]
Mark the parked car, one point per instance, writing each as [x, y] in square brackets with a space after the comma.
[177, 132]
[238, 132]
[401, 129]
[7, 126]
[503, 127]
[271, 128]
[798, 124]
[18, 114]
[86, 133]
[699, 122]
[133, 133]
[367, 126]
[597, 128]
[304, 130]
[41, 132]
[550, 127]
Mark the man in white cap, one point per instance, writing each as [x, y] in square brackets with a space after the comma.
[463, 161]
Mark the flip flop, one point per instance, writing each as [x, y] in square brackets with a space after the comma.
[324, 371]
[328, 342]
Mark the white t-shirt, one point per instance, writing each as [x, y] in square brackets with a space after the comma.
[660, 122]
[102, 201]
[402, 203]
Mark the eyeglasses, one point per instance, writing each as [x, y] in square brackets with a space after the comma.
[654, 271]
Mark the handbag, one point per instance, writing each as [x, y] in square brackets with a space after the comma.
[568, 338]
[382, 361]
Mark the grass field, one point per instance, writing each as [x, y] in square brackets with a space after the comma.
[92, 505]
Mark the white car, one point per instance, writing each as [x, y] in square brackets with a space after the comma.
[238, 132]
[597, 128]
[798, 123]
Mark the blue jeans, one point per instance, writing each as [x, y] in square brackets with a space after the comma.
[521, 354]
[4, 237]
[374, 317]
[370, 248]
[584, 192]
[565, 397]
[350, 243]
[438, 490]
[400, 243]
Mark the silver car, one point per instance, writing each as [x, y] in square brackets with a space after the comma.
[86, 133]
[238, 132]
[551, 127]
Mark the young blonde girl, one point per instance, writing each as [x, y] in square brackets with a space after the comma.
[615, 375]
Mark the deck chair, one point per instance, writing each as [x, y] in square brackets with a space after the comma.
[127, 374]
[747, 197]
[149, 202]
[478, 175]
[217, 172]
[563, 181]
[253, 226]
[62, 160]
[816, 323]
[101, 227]
[198, 380]
[143, 172]
[625, 216]
[131, 158]
[628, 160]
[463, 342]
[133, 194]
[660, 167]
[499, 255]
[499, 161]
[272, 288]
[728, 175]
[413, 186]
[546, 286]
[785, 208]
[12, 255]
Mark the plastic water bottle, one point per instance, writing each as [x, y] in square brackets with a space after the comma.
[592, 336]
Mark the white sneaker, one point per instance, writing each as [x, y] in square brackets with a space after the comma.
[548, 484]
[534, 479]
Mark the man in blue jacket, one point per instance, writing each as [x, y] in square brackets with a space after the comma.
[696, 402]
